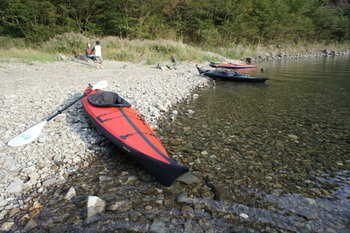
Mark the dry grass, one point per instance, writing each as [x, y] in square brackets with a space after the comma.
[115, 48]
[25, 55]
[148, 51]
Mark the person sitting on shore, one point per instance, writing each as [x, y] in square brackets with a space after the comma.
[88, 52]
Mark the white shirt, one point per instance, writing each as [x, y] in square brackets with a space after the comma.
[98, 50]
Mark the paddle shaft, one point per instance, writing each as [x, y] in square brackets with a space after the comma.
[67, 106]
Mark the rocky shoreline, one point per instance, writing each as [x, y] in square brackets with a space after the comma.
[36, 90]
[283, 56]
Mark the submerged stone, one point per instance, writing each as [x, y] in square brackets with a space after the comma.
[188, 179]
[95, 205]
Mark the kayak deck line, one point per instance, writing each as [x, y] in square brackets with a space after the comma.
[144, 137]
[131, 134]
[137, 117]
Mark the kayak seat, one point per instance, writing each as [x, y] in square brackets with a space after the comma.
[224, 72]
[105, 99]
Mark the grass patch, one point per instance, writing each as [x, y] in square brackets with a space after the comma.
[8, 43]
[150, 51]
[26, 55]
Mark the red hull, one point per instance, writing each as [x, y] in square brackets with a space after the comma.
[126, 128]
[232, 66]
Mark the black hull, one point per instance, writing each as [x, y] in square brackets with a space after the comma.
[230, 76]
[243, 79]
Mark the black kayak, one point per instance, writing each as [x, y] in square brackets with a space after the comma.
[230, 76]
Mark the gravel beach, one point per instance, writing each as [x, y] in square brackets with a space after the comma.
[33, 91]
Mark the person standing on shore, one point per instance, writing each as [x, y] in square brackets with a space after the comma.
[98, 54]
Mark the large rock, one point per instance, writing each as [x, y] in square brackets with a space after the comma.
[95, 205]
[15, 186]
[81, 57]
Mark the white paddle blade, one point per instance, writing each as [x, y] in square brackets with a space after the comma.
[100, 85]
[27, 136]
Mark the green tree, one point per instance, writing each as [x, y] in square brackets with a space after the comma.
[30, 19]
[203, 22]
[77, 15]
[131, 18]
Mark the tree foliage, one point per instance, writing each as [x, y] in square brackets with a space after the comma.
[204, 22]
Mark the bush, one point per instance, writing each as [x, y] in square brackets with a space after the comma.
[66, 43]
[7, 43]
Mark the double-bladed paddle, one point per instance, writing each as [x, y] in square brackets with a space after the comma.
[33, 132]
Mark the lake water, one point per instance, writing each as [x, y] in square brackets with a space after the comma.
[281, 149]
[278, 153]
[272, 157]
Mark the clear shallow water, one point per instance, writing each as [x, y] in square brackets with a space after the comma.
[279, 149]
[271, 157]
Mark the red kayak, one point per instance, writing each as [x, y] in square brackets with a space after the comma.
[231, 66]
[126, 128]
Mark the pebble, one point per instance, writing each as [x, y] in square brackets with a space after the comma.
[243, 215]
[15, 186]
[188, 179]
[6, 226]
[158, 226]
[70, 194]
[121, 206]
[30, 225]
[293, 137]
